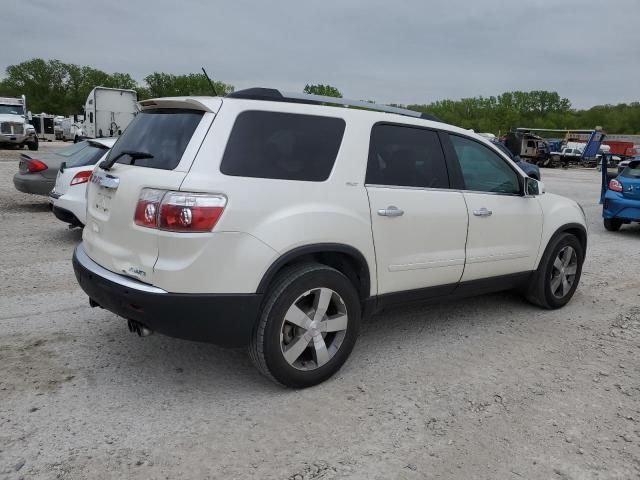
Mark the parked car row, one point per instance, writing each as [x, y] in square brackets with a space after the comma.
[282, 224]
[62, 176]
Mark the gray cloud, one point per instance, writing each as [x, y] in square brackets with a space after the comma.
[402, 51]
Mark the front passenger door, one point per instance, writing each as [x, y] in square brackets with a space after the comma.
[505, 227]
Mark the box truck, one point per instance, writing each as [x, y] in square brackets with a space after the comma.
[107, 112]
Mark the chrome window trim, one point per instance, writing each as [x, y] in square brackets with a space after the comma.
[442, 190]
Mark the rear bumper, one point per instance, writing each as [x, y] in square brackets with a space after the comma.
[617, 206]
[33, 183]
[66, 216]
[224, 319]
[71, 205]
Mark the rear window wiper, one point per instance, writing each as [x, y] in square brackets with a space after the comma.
[107, 164]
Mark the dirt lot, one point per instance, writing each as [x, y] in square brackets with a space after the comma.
[488, 387]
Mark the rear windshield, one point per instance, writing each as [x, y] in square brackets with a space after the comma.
[163, 133]
[88, 155]
[631, 171]
[287, 146]
[71, 150]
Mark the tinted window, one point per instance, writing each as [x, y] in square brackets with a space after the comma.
[163, 133]
[482, 169]
[405, 156]
[632, 170]
[72, 149]
[89, 155]
[286, 146]
[90, 117]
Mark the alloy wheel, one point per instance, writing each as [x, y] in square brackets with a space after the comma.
[563, 272]
[313, 329]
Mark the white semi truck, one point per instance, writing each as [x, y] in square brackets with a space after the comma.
[107, 112]
[15, 129]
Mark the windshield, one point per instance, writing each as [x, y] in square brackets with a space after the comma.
[161, 133]
[12, 109]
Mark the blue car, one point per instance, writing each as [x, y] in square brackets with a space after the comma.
[622, 198]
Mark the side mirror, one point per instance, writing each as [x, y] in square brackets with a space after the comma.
[533, 187]
[29, 115]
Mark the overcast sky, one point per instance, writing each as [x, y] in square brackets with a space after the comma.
[400, 51]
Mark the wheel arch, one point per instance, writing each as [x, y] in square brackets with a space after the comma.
[344, 258]
[576, 229]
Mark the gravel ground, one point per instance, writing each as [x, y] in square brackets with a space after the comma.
[484, 388]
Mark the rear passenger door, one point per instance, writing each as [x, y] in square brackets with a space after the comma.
[419, 224]
[505, 227]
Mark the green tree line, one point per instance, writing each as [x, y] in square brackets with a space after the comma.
[536, 109]
[55, 87]
[62, 88]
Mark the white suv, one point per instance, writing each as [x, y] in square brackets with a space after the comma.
[278, 221]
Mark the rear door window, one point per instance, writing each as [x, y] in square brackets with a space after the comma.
[286, 146]
[162, 133]
[406, 156]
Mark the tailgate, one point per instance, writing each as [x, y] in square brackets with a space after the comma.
[631, 189]
[110, 236]
[170, 138]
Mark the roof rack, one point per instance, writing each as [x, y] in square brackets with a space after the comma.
[273, 95]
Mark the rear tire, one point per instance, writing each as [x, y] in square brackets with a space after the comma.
[612, 224]
[293, 346]
[558, 274]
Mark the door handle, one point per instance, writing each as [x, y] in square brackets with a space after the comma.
[483, 212]
[390, 211]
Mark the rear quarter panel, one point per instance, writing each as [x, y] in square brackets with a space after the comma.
[285, 214]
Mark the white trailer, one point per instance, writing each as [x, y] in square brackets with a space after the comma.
[108, 111]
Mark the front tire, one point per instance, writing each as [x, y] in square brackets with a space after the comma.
[33, 146]
[612, 224]
[308, 326]
[558, 274]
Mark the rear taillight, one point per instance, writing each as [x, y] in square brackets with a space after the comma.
[179, 211]
[34, 166]
[81, 177]
[190, 212]
[615, 185]
[147, 208]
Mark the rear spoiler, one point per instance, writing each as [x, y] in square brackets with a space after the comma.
[205, 104]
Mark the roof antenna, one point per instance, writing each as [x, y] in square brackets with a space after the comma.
[210, 82]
